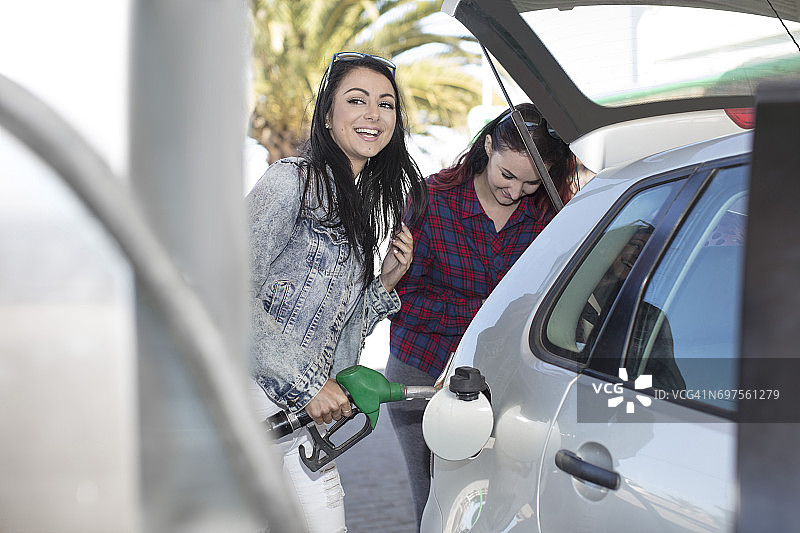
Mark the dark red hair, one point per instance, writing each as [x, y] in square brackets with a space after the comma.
[554, 151]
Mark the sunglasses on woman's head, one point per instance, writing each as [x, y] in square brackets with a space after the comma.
[353, 56]
[532, 123]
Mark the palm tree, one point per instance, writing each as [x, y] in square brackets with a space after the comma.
[293, 41]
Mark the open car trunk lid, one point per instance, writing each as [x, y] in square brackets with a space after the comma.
[603, 67]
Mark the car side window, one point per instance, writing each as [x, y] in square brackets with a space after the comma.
[576, 317]
[685, 334]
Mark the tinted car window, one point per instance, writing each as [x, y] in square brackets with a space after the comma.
[576, 317]
[686, 330]
[621, 72]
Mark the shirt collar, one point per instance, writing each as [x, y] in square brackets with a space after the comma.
[470, 205]
[529, 208]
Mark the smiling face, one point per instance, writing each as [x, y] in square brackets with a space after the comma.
[362, 117]
[510, 175]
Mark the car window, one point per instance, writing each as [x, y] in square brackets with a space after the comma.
[685, 334]
[575, 319]
[631, 64]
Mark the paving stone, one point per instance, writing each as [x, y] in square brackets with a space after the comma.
[377, 493]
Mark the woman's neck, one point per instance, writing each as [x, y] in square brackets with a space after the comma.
[358, 166]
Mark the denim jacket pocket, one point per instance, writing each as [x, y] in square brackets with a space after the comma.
[277, 301]
[328, 249]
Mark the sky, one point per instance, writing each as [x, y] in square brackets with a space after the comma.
[68, 54]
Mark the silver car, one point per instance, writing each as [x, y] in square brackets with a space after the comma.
[610, 348]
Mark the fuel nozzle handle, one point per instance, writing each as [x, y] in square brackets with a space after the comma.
[366, 388]
[284, 422]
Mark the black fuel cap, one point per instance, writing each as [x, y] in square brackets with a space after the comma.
[467, 382]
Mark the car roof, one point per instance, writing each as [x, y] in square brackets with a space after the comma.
[600, 71]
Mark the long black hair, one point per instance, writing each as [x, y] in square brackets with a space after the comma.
[372, 208]
[554, 151]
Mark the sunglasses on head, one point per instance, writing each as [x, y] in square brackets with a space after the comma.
[532, 123]
[353, 56]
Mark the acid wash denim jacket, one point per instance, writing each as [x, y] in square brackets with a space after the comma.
[302, 279]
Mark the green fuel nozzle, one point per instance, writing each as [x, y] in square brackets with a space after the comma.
[367, 390]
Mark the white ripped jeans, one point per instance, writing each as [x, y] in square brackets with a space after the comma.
[320, 493]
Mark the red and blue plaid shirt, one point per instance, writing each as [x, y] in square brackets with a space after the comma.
[459, 257]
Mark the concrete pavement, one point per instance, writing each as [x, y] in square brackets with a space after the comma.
[377, 493]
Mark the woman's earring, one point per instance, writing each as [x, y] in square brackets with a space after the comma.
[327, 126]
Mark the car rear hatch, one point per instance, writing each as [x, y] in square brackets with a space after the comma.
[601, 72]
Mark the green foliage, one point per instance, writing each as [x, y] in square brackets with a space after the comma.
[293, 41]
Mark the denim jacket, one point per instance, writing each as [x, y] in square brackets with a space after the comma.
[302, 278]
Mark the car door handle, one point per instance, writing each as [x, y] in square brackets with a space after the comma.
[577, 467]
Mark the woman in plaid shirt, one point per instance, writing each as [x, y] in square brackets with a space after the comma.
[482, 213]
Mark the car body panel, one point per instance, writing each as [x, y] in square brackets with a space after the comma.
[660, 490]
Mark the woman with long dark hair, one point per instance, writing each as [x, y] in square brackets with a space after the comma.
[315, 225]
[482, 213]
